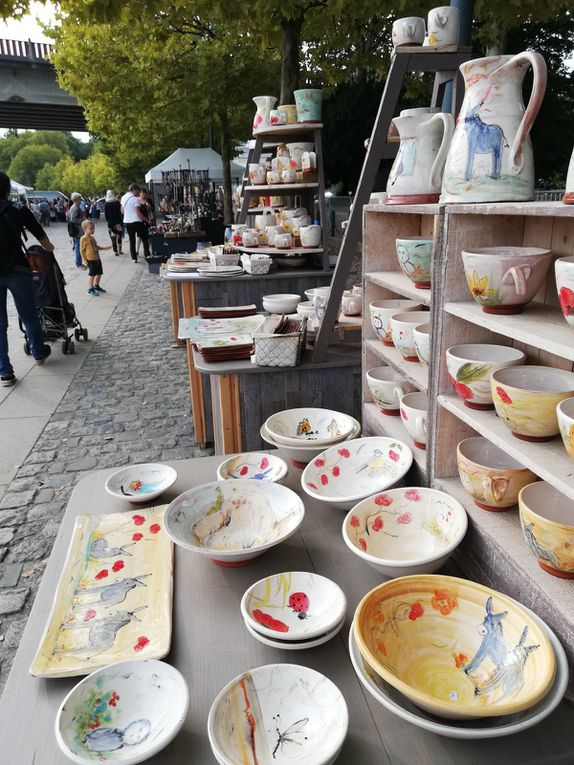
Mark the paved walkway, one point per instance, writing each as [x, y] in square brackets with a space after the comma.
[121, 399]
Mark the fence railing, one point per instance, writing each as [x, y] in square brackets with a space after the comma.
[24, 50]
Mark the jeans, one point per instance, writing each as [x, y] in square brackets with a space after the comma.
[22, 289]
[116, 235]
[138, 229]
[77, 255]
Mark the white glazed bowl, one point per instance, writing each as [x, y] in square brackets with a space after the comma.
[387, 386]
[470, 366]
[422, 340]
[295, 605]
[306, 308]
[309, 425]
[405, 531]
[294, 711]
[349, 472]
[300, 456]
[140, 483]
[295, 645]
[232, 522]
[123, 713]
[257, 465]
[286, 303]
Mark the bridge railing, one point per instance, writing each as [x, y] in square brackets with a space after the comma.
[24, 50]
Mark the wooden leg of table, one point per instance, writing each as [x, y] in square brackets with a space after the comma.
[229, 413]
[174, 295]
[195, 386]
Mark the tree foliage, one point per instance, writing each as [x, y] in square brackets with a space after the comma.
[30, 159]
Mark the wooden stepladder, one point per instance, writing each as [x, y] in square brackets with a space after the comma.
[445, 64]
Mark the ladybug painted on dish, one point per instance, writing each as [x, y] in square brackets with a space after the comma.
[299, 602]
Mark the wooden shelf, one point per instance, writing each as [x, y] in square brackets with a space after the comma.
[540, 325]
[262, 249]
[540, 209]
[412, 371]
[548, 460]
[381, 207]
[387, 425]
[289, 130]
[279, 188]
[397, 282]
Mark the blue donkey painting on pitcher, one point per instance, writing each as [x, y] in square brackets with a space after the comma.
[483, 138]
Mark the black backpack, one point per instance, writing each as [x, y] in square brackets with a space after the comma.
[11, 245]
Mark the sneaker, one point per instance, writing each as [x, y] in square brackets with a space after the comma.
[8, 380]
[93, 292]
[98, 288]
[45, 353]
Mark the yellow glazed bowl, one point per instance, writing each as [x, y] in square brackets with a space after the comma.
[526, 397]
[546, 518]
[453, 647]
[565, 414]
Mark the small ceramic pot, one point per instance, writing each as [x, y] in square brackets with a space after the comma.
[414, 413]
[294, 212]
[308, 162]
[310, 235]
[298, 222]
[402, 326]
[296, 153]
[308, 102]
[305, 309]
[504, 279]
[470, 366]
[564, 269]
[387, 387]
[547, 525]
[357, 289]
[443, 26]
[291, 111]
[414, 256]
[278, 117]
[273, 177]
[283, 241]
[565, 414]
[288, 175]
[381, 312]
[237, 230]
[421, 337]
[408, 31]
[491, 476]
[250, 238]
[266, 219]
[352, 304]
[257, 173]
[526, 397]
[272, 232]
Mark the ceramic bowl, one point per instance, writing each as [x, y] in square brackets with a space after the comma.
[123, 713]
[405, 531]
[281, 303]
[489, 475]
[421, 337]
[504, 279]
[414, 256]
[306, 308]
[309, 425]
[565, 414]
[232, 522]
[300, 456]
[349, 472]
[470, 366]
[295, 715]
[526, 397]
[140, 483]
[295, 645]
[381, 312]
[548, 527]
[402, 326]
[454, 647]
[564, 269]
[414, 416]
[257, 465]
[387, 387]
[295, 605]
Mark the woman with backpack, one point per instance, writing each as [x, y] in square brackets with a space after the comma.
[115, 221]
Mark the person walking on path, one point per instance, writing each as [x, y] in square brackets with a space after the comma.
[44, 213]
[132, 221]
[75, 218]
[90, 251]
[145, 212]
[115, 221]
[16, 276]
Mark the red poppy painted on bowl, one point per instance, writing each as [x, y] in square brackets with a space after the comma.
[564, 269]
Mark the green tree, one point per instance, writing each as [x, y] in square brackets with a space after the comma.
[30, 159]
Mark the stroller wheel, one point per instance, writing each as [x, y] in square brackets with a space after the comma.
[27, 350]
[71, 347]
[77, 334]
[84, 333]
[68, 346]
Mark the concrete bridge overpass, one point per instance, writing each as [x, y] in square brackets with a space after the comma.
[30, 97]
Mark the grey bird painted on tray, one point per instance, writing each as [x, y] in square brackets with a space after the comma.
[102, 633]
[114, 593]
[99, 549]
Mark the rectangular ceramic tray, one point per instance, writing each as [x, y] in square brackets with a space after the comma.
[114, 597]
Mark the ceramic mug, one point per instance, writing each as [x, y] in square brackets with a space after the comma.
[310, 235]
[565, 414]
[421, 337]
[257, 173]
[291, 111]
[237, 230]
[320, 299]
[564, 269]
[443, 25]
[308, 103]
[414, 413]
[408, 31]
[489, 475]
[414, 256]
[387, 386]
[283, 241]
[278, 117]
[250, 238]
[296, 153]
[470, 366]
[358, 289]
[288, 175]
[381, 312]
[273, 177]
[352, 304]
[272, 232]
[547, 525]
[504, 279]
[402, 326]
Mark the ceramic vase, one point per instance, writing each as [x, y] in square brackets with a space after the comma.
[308, 102]
[265, 105]
[564, 269]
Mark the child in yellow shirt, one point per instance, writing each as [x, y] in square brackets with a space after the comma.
[90, 252]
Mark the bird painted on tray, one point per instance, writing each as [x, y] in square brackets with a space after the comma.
[374, 464]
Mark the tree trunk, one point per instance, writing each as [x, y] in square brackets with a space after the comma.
[226, 162]
[290, 45]
[498, 43]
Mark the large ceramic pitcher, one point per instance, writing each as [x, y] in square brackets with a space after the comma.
[490, 157]
[416, 174]
[262, 117]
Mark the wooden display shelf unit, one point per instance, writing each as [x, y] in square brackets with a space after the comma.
[289, 130]
[400, 285]
[279, 189]
[412, 371]
[281, 253]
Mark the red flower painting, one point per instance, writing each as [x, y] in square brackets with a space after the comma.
[154, 528]
[377, 524]
[363, 545]
[413, 495]
[383, 500]
[566, 297]
[138, 520]
[137, 536]
[416, 611]
[355, 523]
[503, 395]
[118, 565]
[336, 471]
[344, 453]
[393, 455]
[324, 479]
[463, 390]
[319, 463]
[141, 643]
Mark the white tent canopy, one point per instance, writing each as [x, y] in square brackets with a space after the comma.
[194, 159]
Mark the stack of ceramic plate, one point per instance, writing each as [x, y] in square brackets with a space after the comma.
[300, 456]
[232, 348]
[219, 272]
[227, 312]
[294, 610]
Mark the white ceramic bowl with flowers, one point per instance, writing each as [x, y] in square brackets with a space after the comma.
[256, 465]
[309, 425]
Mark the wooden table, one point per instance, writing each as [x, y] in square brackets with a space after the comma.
[211, 646]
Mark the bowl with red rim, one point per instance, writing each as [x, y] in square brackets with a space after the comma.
[349, 472]
[259, 466]
[400, 532]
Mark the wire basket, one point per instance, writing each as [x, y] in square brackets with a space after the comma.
[284, 350]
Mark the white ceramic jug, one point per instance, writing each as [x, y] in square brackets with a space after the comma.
[490, 157]
[262, 118]
[568, 197]
[416, 174]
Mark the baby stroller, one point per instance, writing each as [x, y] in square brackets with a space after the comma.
[57, 314]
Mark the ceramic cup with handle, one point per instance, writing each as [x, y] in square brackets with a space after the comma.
[257, 173]
[352, 304]
[408, 31]
[310, 235]
[387, 386]
[470, 366]
[443, 26]
[402, 326]
[422, 340]
[414, 413]
[381, 312]
[564, 269]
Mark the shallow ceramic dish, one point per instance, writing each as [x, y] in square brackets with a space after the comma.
[453, 647]
[278, 713]
[295, 605]
[300, 456]
[295, 645]
[526, 397]
[349, 472]
[548, 527]
[286, 303]
[470, 366]
[232, 522]
[309, 425]
[256, 465]
[123, 713]
[405, 531]
[485, 727]
[140, 483]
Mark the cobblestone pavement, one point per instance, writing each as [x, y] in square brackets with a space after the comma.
[128, 403]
